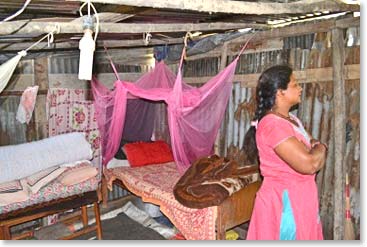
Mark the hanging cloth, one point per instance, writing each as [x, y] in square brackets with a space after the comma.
[194, 114]
[26, 105]
[7, 69]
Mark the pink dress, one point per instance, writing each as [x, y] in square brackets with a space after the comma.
[286, 205]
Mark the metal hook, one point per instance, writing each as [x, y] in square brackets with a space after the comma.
[50, 39]
[147, 37]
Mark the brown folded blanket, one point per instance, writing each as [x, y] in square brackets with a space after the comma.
[210, 180]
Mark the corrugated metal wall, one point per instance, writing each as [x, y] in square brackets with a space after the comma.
[12, 131]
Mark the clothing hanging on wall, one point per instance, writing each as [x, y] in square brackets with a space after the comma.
[26, 105]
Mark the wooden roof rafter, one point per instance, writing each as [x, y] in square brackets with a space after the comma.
[239, 7]
[33, 27]
[294, 30]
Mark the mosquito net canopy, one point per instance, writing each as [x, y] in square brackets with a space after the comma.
[194, 114]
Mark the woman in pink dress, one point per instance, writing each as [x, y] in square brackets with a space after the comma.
[286, 205]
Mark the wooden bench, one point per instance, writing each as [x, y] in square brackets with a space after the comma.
[33, 212]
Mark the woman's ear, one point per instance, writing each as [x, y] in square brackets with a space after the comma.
[279, 93]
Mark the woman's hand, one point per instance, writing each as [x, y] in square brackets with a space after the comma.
[315, 142]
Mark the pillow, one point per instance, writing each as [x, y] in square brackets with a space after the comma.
[16, 196]
[117, 163]
[146, 153]
[120, 155]
[40, 179]
[9, 187]
[77, 175]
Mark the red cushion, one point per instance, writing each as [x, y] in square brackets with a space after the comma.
[146, 153]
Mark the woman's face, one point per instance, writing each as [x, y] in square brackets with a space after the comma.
[293, 92]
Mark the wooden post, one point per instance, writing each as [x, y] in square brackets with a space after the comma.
[340, 130]
[39, 120]
[223, 63]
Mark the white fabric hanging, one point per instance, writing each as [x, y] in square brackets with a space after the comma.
[26, 105]
[7, 69]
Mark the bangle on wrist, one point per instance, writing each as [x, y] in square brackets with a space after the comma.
[326, 147]
[320, 143]
[316, 142]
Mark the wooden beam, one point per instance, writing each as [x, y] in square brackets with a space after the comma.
[339, 130]
[261, 46]
[223, 64]
[351, 72]
[22, 27]
[19, 93]
[281, 32]
[237, 7]
[74, 44]
[295, 30]
[298, 29]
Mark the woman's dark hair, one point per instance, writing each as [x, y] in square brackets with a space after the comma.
[272, 79]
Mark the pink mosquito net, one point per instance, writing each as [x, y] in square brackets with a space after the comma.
[194, 114]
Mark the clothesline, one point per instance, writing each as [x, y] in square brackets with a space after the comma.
[7, 68]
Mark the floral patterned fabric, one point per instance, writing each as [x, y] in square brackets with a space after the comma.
[10, 186]
[155, 184]
[54, 190]
[68, 111]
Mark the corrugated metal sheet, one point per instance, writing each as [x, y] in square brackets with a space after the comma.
[11, 131]
[256, 62]
[201, 67]
[302, 42]
[69, 64]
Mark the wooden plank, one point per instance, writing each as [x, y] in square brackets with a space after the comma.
[47, 208]
[223, 64]
[351, 72]
[340, 130]
[237, 7]
[297, 30]
[236, 209]
[23, 27]
[260, 46]
[294, 30]
[41, 72]
[19, 82]
[68, 44]
[263, 37]
[106, 17]
[19, 93]
[72, 81]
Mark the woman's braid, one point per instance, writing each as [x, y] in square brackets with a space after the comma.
[272, 79]
[265, 98]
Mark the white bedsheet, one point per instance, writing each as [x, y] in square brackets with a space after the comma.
[18, 161]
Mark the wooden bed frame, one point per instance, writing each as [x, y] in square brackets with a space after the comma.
[12, 218]
[235, 210]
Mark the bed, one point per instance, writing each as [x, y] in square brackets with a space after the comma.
[155, 183]
[38, 180]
